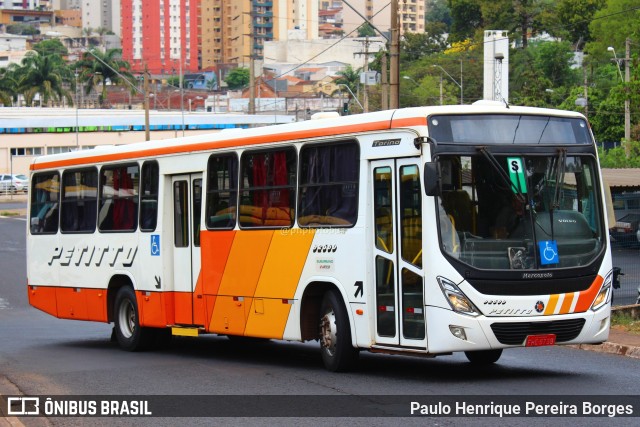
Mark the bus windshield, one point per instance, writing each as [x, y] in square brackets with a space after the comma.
[518, 212]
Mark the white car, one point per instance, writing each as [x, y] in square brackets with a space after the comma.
[13, 183]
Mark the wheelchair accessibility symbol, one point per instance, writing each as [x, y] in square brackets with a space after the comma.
[548, 252]
[155, 245]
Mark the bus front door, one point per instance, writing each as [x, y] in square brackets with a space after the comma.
[187, 203]
[397, 253]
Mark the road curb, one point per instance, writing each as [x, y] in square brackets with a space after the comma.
[8, 388]
[612, 348]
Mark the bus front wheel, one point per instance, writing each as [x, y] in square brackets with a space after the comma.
[335, 334]
[130, 335]
[483, 357]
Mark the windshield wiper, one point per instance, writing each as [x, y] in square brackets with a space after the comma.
[561, 164]
[502, 173]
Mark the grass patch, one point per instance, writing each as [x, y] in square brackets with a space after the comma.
[626, 321]
[9, 213]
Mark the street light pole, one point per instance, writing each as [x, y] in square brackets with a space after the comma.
[354, 97]
[453, 80]
[627, 110]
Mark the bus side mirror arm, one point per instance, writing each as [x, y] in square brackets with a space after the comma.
[431, 179]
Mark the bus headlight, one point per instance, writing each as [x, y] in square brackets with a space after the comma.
[457, 299]
[605, 293]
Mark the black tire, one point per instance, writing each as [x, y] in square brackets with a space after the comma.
[129, 334]
[483, 357]
[338, 354]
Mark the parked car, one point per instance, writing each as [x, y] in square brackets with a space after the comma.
[626, 232]
[13, 183]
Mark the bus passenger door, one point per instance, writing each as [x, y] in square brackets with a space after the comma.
[397, 253]
[187, 203]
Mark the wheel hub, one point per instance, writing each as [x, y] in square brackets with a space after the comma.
[328, 332]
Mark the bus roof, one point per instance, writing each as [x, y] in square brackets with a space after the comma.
[414, 117]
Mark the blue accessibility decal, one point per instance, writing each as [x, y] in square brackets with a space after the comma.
[155, 245]
[548, 252]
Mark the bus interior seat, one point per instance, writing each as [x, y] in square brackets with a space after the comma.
[458, 204]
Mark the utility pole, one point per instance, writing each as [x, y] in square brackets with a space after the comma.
[394, 57]
[366, 52]
[252, 72]
[147, 135]
[627, 113]
[384, 83]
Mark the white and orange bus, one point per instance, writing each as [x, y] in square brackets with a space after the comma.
[420, 231]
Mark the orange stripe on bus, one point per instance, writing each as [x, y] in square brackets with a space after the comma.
[585, 298]
[411, 121]
[551, 305]
[279, 280]
[240, 278]
[566, 304]
[215, 250]
[240, 141]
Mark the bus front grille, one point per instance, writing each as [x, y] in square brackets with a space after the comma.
[515, 333]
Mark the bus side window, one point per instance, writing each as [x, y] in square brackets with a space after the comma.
[222, 191]
[329, 185]
[118, 198]
[79, 200]
[149, 196]
[268, 180]
[45, 189]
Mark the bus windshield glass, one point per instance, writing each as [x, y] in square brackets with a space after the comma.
[509, 129]
[508, 212]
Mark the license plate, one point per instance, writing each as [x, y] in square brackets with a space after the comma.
[540, 340]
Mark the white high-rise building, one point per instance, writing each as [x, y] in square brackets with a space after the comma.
[101, 14]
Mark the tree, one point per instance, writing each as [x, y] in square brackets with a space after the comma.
[573, 18]
[611, 25]
[8, 85]
[49, 47]
[22, 29]
[237, 78]
[466, 19]
[438, 12]
[349, 77]
[414, 46]
[110, 66]
[366, 30]
[44, 75]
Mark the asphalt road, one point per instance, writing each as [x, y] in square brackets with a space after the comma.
[42, 355]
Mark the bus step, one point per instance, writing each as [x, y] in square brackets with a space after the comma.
[185, 332]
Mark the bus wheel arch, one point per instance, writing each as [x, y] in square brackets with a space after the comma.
[324, 316]
[124, 313]
[116, 282]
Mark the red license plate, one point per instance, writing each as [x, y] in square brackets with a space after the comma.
[540, 340]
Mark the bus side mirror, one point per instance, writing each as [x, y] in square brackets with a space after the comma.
[431, 179]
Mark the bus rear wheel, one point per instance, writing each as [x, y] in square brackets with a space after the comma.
[483, 357]
[335, 334]
[129, 334]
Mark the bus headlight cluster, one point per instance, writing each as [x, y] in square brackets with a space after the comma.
[457, 299]
[605, 293]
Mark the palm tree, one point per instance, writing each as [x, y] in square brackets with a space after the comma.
[8, 85]
[350, 78]
[98, 67]
[44, 75]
